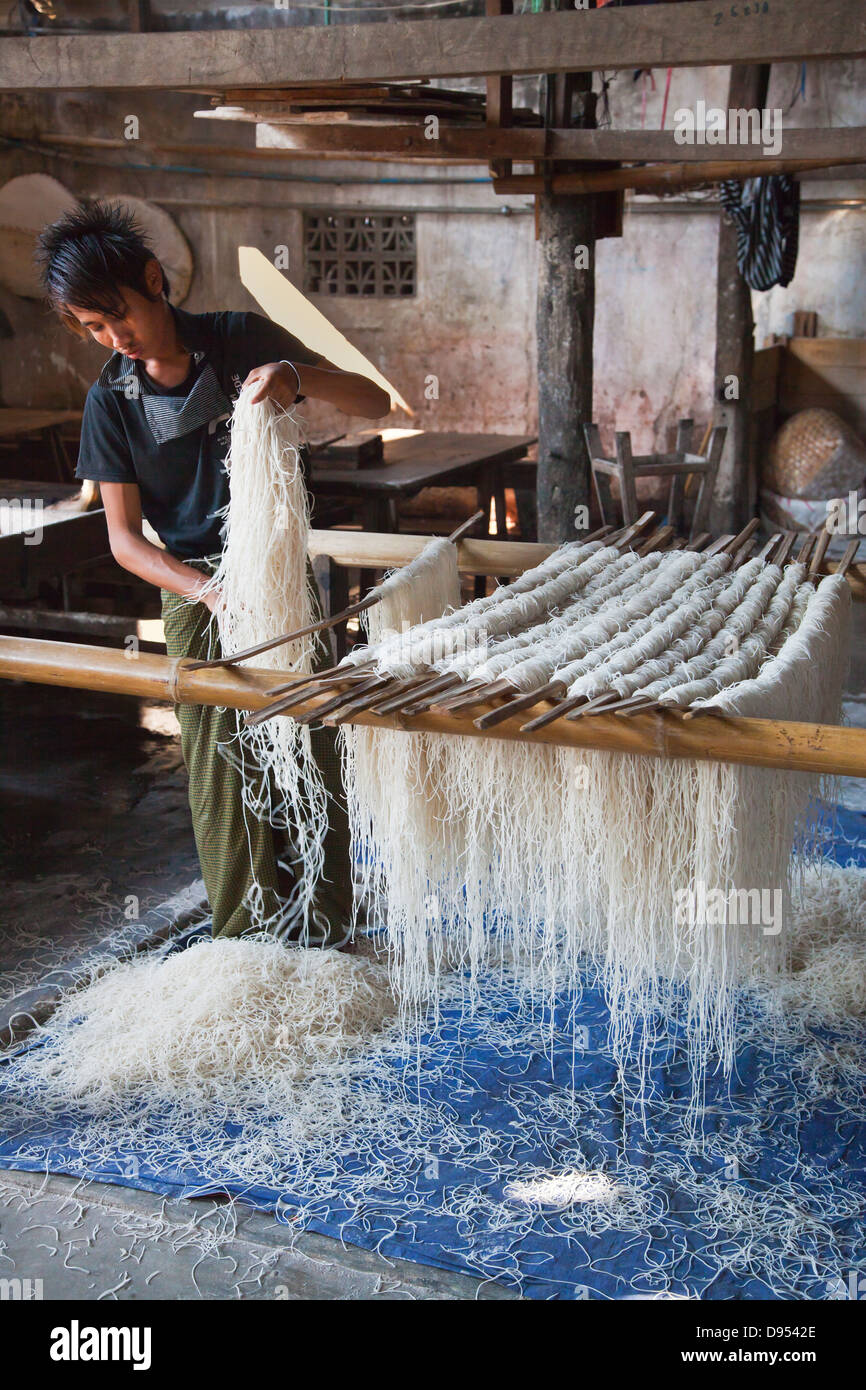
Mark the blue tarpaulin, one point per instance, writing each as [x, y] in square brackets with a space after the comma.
[767, 1201]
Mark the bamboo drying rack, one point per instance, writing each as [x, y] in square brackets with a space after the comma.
[799, 747]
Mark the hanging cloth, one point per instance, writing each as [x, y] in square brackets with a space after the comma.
[766, 213]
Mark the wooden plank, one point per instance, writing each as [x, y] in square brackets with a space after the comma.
[702, 33]
[836, 352]
[766, 363]
[424, 460]
[456, 144]
[238, 96]
[763, 395]
[110, 625]
[663, 178]
[477, 144]
[385, 551]
[17, 420]
[846, 379]
[74, 540]
[784, 744]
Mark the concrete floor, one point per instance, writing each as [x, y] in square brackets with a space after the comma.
[96, 829]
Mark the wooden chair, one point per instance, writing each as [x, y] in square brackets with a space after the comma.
[678, 466]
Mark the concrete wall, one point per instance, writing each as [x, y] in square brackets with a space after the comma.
[472, 324]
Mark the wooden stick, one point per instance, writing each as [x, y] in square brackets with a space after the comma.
[626, 700]
[423, 702]
[820, 551]
[325, 679]
[286, 637]
[848, 558]
[785, 548]
[322, 623]
[375, 682]
[597, 706]
[466, 526]
[764, 553]
[803, 554]
[542, 721]
[700, 541]
[743, 553]
[395, 695]
[636, 706]
[485, 690]
[553, 689]
[717, 546]
[395, 699]
[657, 541]
[454, 698]
[298, 693]
[350, 709]
[629, 534]
[389, 687]
[426, 692]
[735, 546]
[261, 716]
[693, 713]
[797, 746]
[602, 532]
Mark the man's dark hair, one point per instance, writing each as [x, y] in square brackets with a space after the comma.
[87, 256]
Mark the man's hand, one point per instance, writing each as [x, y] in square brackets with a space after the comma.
[348, 391]
[210, 599]
[275, 381]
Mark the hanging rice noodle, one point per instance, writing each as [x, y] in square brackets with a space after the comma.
[671, 875]
[265, 590]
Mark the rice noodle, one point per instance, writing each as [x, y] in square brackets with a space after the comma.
[265, 590]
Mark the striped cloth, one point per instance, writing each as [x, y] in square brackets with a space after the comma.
[766, 214]
[236, 851]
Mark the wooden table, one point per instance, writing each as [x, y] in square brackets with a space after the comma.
[16, 422]
[424, 460]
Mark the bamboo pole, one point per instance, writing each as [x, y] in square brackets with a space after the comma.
[823, 748]
[383, 550]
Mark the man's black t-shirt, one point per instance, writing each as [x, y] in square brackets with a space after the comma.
[173, 442]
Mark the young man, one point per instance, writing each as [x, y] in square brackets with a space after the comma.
[155, 436]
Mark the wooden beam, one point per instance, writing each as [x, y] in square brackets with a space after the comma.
[699, 34]
[499, 109]
[663, 178]
[736, 493]
[564, 320]
[385, 550]
[475, 144]
[797, 747]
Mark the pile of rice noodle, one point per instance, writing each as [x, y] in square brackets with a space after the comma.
[224, 1023]
[265, 589]
[825, 979]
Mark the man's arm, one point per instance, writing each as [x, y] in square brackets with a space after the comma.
[133, 552]
[348, 391]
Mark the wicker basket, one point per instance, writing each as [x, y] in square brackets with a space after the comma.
[815, 455]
